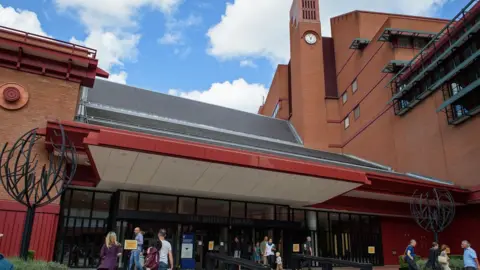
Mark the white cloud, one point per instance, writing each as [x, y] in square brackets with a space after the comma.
[24, 20]
[110, 27]
[238, 94]
[112, 49]
[170, 38]
[174, 33]
[248, 63]
[113, 13]
[263, 31]
[120, 77]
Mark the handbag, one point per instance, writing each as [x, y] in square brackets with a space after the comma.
[442, 259]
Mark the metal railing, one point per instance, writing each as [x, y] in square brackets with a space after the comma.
[432, 46]
[33, 39]
[211, 260]
[327, 263]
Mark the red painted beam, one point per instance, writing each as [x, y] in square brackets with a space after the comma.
[403, 185]
[172, 147]
[361, 205]
[121, 139]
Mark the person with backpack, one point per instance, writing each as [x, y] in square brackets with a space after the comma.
[152, 261]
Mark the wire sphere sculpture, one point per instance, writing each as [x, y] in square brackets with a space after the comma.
[28, 183]
[433, 210]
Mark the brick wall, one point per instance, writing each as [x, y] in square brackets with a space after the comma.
[48, 98]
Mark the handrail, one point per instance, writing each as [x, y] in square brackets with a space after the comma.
[435, 39]
[212, 257]
[327, 263]
[26, 36]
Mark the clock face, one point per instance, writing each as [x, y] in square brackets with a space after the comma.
[311, 38]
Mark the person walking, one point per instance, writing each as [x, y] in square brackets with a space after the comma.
[443, 258]
[263, 248]
[237, 248]
[135, 254]
[278, 261]
[410, 255]
[166, 257]
[110, 252]
[307, 251]
[257, 253]
[470, 259]
[433, 254]
[270, 252]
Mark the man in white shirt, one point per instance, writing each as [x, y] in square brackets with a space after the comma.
[165, 253]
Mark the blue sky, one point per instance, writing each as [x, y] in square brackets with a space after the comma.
[209, 52]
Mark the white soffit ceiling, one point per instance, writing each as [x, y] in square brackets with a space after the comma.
[130, 170]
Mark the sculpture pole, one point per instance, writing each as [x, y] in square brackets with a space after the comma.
[433, 210]
[21, 179]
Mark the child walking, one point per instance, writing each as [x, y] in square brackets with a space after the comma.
[256, 253]
[279, 261]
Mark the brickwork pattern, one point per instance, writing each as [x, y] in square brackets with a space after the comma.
[49, 98]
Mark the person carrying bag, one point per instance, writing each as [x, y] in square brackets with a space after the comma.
[443, 258]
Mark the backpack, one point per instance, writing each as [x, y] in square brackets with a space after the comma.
[152, 259]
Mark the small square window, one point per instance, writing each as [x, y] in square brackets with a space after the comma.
[346, 122]
[356, 112]
[344, 98]
[419, 43]
[354, 86]
[275, 110]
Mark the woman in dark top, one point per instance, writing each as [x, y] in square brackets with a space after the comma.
[110, 252]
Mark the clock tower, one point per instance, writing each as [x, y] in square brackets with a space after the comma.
[308, 107]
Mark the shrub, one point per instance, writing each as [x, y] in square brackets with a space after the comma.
[31, 255]
[403, 264]
[20, 264]
[455, 263]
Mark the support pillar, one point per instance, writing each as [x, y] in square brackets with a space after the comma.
[312, 226]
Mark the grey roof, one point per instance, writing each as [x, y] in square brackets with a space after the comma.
[141, 100]
[102, 109]
[230, 141]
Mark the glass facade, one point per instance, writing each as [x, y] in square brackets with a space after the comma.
[82, 227]
[345, 236]
[87, 216]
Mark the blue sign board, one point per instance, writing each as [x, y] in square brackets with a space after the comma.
[187, 255]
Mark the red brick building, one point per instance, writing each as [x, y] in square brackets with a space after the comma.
[336, 94]
[157, 161]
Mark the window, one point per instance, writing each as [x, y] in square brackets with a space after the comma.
[354, 86]
[260, 211]
[299, 215]
[344, 98]
[101, 205]
[158, 203]
[207, 207]
[186, 205]
[346, 122]
[403, 42]
[419, 43]
[276, 109]
[237, 209]
[128, 201]
[282, 212]
[356, 112]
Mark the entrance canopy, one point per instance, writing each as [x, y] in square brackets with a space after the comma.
[135, 161]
